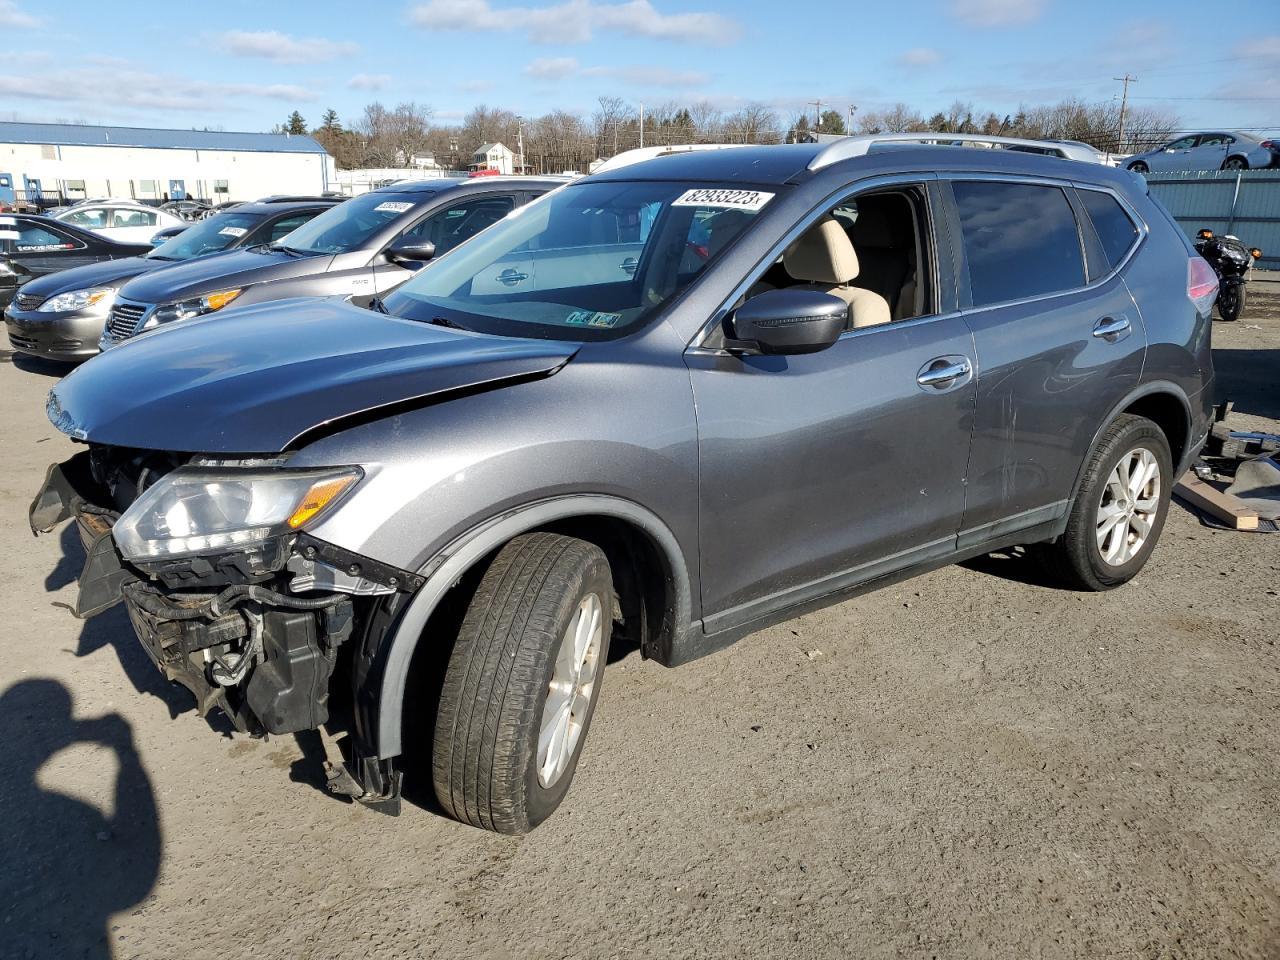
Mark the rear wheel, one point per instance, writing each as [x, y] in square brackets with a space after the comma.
[522, 683]
[1235, 163]
[1231, 301]
[1139, 167]
[1119, 510]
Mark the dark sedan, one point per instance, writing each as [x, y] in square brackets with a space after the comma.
[32, 246]
[61, 317]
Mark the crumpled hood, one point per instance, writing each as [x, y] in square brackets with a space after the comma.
[102, 274]
[254, 380]
[234, 268]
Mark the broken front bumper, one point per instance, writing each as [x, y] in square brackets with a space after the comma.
[261, 649]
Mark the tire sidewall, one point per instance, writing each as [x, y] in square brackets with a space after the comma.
[540, 801]
[1145, 435]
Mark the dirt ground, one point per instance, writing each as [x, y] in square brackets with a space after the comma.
[968, 765]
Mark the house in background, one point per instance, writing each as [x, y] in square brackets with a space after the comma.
[493, 156]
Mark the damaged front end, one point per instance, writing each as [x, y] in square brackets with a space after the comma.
[227, 592]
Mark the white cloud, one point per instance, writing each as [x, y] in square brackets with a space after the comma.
[552, 68]
[1260, 48]
[282, 48]
[11, 15]
[108, 87]
[651, 76]
[575, 21]
[997, 13]
[369, 81]
[561, 68]
[919, 57]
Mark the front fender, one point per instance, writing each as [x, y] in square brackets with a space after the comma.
[386, 676]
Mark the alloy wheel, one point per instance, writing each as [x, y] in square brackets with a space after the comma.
[569, 694]
[1128, 506]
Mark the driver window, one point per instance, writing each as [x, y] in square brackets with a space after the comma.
[1214, 140]
[449, 227]
[1186, 143]
[871, 251]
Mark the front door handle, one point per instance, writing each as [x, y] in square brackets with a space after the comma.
[1112, 329]
[629, 266]
[511, 276]
[943, 372]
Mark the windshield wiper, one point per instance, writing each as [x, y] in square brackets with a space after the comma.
[450, 324]
[378, 306]
[281, 248]
[156, 256]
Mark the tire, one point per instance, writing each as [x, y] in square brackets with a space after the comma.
[1139, 167]
[1235, 163]
[1231, 301]
[488, 757]
[1076, 559]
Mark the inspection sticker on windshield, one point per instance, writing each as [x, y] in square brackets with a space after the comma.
[393, 206]
[729, 199]
[233, 231]
[591, 318]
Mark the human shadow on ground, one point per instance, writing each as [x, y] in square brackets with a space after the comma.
[1250, 379]
[68, 865]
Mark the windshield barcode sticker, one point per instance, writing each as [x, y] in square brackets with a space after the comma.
[393, 206]
[233, 231]
[730, 199]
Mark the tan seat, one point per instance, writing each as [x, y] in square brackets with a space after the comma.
[824, 260]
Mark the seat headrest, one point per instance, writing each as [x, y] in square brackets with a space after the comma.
[823, 254]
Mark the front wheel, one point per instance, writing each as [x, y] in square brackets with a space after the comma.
[522, 683]
[1139, 167]
[1231, 301]
[1119, 510]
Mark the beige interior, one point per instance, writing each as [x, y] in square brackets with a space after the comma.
[824, 259]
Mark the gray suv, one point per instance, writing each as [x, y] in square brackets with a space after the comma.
[662, 408]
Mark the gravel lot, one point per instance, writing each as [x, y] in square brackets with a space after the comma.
[968, 765]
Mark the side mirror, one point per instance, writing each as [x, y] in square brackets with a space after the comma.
[788, 322]
[413, 251]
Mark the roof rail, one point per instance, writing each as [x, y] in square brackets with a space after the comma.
[628, 157]
[299, 198]
[859, 146]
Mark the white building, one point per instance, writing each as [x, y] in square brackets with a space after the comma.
[493, 156]
[74, 161]
[352, 183]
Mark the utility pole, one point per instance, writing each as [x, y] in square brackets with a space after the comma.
[520, 140]
[1124, 101]
[817, 115]
[853, 108]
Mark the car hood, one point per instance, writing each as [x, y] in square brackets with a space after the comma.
[103, 273]
[233, 268]
[255, 380]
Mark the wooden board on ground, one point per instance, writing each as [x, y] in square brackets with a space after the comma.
[1223, 506]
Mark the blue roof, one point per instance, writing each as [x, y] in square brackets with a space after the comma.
[78, 135]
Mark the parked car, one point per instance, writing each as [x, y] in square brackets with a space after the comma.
[61, 317]
[666, 405]
[363, 248]
[1063, 149]
[1208, 151]
[186, 209]
[32, 246]
[119, 219]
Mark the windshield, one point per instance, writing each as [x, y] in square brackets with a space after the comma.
[349, 225]
[592, 261]
[208, 236]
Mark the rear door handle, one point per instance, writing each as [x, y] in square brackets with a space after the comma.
[943, 372]
[1112, 329]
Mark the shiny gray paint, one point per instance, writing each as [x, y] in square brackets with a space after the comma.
[770, 484]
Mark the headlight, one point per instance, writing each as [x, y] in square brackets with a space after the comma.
[188, 309]
[193, 511]
[79, 299]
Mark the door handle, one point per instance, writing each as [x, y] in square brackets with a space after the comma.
[629, 266]
[1112, 329]
[511, 277]
[943, 372]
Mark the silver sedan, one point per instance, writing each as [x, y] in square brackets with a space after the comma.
[1208, 151]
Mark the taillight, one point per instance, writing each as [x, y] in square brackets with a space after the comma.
[1269, 144]
[1202, 284]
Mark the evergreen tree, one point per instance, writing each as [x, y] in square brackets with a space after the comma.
[295, 124]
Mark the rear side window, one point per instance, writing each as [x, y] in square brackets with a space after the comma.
[1020, 240]
[1115, 230]
[28, 238]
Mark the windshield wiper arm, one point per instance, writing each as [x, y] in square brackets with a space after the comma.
[450, 324]
[281, 248]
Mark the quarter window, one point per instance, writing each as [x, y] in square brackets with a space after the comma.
[27, 238]
[1020, 240]
[1115, 230]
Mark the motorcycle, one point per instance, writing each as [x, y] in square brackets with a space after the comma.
[1231, 261]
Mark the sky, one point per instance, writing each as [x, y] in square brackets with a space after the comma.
[246, 64]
